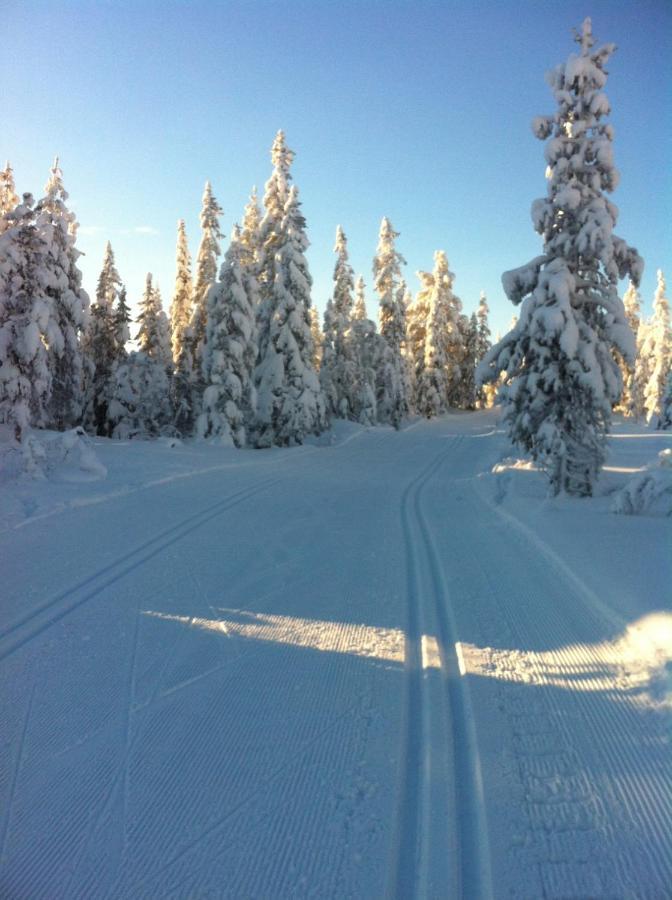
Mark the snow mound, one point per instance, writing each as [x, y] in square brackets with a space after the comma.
[66, 456]
[649, 492]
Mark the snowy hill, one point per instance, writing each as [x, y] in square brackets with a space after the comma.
[381, 663]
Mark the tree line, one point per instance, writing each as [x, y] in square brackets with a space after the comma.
[242, 357]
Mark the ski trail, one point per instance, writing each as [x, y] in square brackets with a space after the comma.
[6, 819]
[49, 613]
[441, 845]
[473, 847]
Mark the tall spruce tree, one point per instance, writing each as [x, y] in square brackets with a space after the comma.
[632, 304]
[229, 401]
[417, 316]
[665, 419]
[188, 385]
[657, 351]
[153, 337]
[69, 305]
[317, 338]
[271, 235]
[438, 371]
[206, 268]
[9, 199]
[123, 318]
[559, 357]
[25, 312]
[391, 383]
[485, 394]
[250, 237]
[337, 373]
[364, 348]
[102, 344]
[181, 305]
[290, 404]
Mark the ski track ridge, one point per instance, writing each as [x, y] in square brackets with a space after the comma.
[116, 570]
[473, 844]
[428, 857]
[15, 776]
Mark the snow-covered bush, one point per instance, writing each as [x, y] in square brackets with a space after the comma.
[138, 401]
[648, 492]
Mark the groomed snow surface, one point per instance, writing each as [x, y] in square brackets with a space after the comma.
[381, 664]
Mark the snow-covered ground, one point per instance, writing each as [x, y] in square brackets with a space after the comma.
[367, 666]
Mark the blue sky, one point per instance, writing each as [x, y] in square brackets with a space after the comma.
[418, 111]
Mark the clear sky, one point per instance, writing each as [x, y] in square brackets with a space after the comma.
[414, 110]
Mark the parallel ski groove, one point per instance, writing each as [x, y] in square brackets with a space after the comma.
[6, 819]
[135, 558]
[474, 857]
[413, 856]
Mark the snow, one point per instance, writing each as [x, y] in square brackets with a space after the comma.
[384, 662]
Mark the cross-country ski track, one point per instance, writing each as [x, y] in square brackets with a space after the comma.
[364, 669]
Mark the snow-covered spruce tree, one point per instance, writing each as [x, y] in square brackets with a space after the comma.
[250, 237]
[317, 338]
[364, 348]
[25, 313]
[230, 353]
[138, 398]
[290, 404]
[485, 394]
[641, 373]
[9, 199]
[632, 305]
[560, 355]
[405, 299]
[665, 419]
[187, 385]
[153, 337]
[69, 305]
[469, 362]
[391, 382]
[206, 267]
[440, 361]
[123, 318]
[338, 371]
[417, 315]
[657, 351]
[181, 305]
[270, 235]
[482, 313]
[102, 344]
